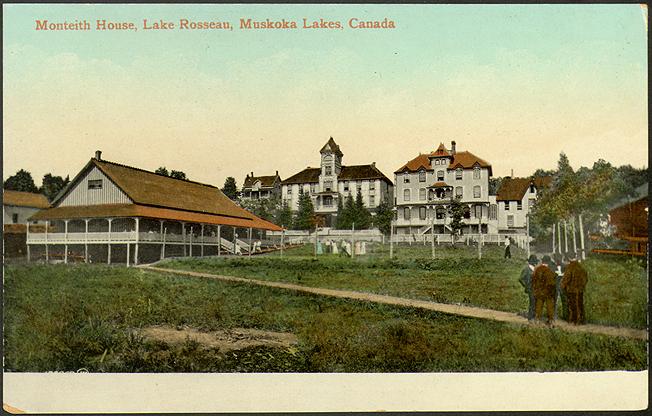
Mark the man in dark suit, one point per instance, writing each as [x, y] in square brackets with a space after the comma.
[543, 286]
[574, 283]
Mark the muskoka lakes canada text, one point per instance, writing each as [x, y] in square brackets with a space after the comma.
[188, 24]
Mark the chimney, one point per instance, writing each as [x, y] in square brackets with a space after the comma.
[373, 164]
[98, 154]
[276, 173]
[453, 147]
[512, 173]
[252, 174]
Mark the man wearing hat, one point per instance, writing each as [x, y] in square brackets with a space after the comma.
[543, 286]
[574, 282]
[526, 281]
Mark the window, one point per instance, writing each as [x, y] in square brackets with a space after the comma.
[328, 170]
[458, 192]
[478, 211]
[440, 213]
[328, 201]
[406, 178]
[440, 175]
[95, 184]
[467, 212]
[290, 190]
[313, 186]
[530, 203]
[422, 213]
[14, 218]
[436, 161]
[328, 186]
[372, 200]
[422, 194]
[476, 172]
[406, 213]
[506, 205]
[372, 185]
[510, 220]
[493, 212]
[519, 206]
[476, 191]
[532, 189]
[346, 186]
[458, 173]
[406, 195]
[422, 176]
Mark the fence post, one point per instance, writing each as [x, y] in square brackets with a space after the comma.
[582, 238]
[391, 240]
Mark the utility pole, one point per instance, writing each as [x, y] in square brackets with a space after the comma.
[391, 239]
[432, 232]
[527, 233]
[352, 239]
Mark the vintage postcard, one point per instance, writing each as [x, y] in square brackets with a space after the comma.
[275, 208]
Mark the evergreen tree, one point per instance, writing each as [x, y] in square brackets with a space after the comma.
[283, 216]
[52, 185]
[340, 213]
[230, 189]
[162, 171]
[362, 215]
[384, 217]
[348, 214]
[21, 181]
[304, 218]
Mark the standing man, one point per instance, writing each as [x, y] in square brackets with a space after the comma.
[508, 254]
[574, 282]
[543, 286]
[526, 281]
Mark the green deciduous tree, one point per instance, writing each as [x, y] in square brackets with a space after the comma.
[162, 171]
[177, 174]
[52, 185]
[384, 217]
[21, 181]
[456, 213]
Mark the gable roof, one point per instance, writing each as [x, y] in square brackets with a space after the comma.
[513, 189]
[468, 160]
[24, 199]
[332, 147]
[265, 181]
[441, 151]
[418, 163]
[361, 172]
[308, 175]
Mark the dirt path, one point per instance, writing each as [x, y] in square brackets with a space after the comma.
[461, 310]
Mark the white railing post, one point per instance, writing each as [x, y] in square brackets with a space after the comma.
[250, 250]
[432, 233]
[65, 246]
[282, 240]
[161, 232]
[183, 237]
[47, 256]
[27, 240]
[86, 241]
[137, 239]
[191, 232]
[219, 240]
[202, 240]
[108, 256]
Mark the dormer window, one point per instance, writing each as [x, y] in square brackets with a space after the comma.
[406, 178]
[458, 173]
[437, 161]
[422, 176]
[95, 184]
[440, 175]
[476, 172]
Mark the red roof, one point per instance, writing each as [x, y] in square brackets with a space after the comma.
[513, 189]
[440, 185]
[416, 164]
[468, 160]
[441, 151]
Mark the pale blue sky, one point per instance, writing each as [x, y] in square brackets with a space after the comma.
[500, 80]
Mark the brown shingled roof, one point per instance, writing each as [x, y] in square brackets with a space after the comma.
[441, 151]
[467, 160]
[333, 147]
[24, 199]
[419, 162]
[148, 188]
[135, 210]
[358, 172]
[513, 189]
[308, 175]
[440, 185]
[265, 181]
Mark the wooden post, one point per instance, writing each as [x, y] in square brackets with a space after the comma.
[108, 251]
[582, 238]
[315, 248]
[282, 240]
[137, 238]
[250, 230]
[219, 239]
[165, 231]
[86, 242]
[191, 231]
[202, 241]
[565, 237]
[432, 233]
[574, 240]
[527, 233]
[183, 237]
[554, 247]
[27, 240]
[479, 235]
[352, 239]
[128, 254]
[235, 241]
[391, 239]
[47, 251]
[65, 246]
[161, 232]
[559, 236]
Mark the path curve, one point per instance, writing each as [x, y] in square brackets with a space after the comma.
[461, 310]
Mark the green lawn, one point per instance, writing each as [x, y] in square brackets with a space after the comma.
[67, 317]
[616, 293]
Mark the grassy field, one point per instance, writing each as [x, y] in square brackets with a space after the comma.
[68, 317]
[616, 293]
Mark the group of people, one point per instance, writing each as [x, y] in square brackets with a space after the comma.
[549, 281]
